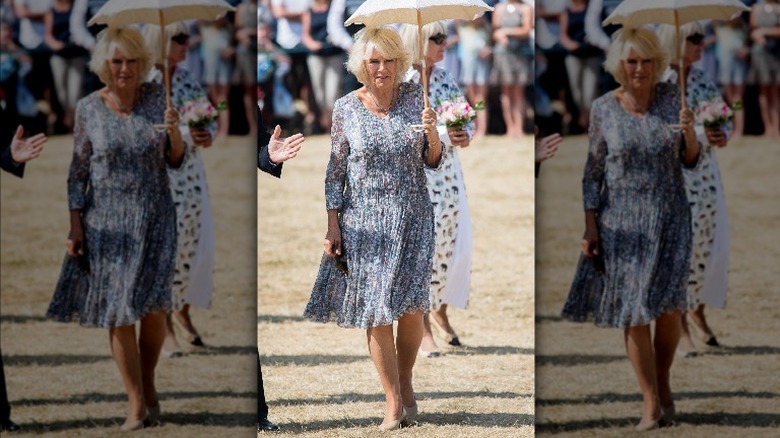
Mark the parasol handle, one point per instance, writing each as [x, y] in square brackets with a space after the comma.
[422, 61]
[166, 71]
[681, 73]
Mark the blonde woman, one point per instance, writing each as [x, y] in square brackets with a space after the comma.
[122, 241]
[380, 240]
[451, 277]
[637, 241]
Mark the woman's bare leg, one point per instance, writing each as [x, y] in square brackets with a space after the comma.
[381, 346]
[125, 353]
[410, 333]
[639, 347]
[667, 334]
[150, 341]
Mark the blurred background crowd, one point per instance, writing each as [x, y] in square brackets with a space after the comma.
[46, 45]
[737, 55]
[302, 45]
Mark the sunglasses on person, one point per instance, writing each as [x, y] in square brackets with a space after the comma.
[695, 39]
[439, 38]
[180, 38]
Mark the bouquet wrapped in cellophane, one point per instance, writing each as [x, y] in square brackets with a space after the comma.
[199, 113]
[715, 113]
[457, 112]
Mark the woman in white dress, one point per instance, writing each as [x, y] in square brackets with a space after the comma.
[708, 277]
[451, 278]
[196, 242]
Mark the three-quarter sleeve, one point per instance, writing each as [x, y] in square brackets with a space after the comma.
[335, 177]
[593, 175]
[78, 175]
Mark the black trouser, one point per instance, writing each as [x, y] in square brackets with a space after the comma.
[5, 407]
[262, 407]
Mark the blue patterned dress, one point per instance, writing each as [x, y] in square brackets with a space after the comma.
[118, 179]
[634, 180]
[376, 179]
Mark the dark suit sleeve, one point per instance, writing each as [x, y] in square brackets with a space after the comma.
[263, 159]
[6, 136]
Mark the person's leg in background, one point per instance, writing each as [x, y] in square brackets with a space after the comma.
[262, 407]
[5, 408]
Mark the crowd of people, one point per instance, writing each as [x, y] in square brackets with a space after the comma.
[740, 56]
[303, 45]
[46, 46]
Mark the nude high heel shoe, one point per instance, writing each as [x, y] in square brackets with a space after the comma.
[667, 415]
[394, 425]
[130, 426]
[650, 425]
[411, 415]
[152, 416]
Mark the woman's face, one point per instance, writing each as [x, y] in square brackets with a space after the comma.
[437, 45]
[381, 71]
[694, 45]
[124, 70]
[179, 45]
[639, 70]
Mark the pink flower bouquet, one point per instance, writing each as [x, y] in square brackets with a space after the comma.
[457, 112]
[714, 114]
[198, 114]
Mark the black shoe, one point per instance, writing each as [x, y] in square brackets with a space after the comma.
[712, 342]
[9, 426]
[266, 426]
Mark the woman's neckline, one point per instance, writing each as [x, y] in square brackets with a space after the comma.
[632, 114]
[377, 115]
[102, 97]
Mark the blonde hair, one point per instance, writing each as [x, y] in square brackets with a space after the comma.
[667, 37]
[411, 41]
[384, 40]
[125, 39]
[645, 43]
[151, 35]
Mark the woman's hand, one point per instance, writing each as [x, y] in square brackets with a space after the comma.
[686, 125]
[201, 137]
[171, 121]
[429, 125]
[716, 137]
[75, 242]
[590, 241]
[333, 241]
[758, 36]
[459, 138]
[433, 156]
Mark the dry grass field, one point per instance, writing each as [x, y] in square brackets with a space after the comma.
[61, 379]
[319, 380]
[585, 385]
